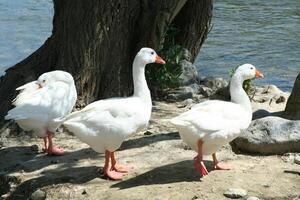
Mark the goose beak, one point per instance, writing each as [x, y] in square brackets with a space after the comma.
[159, 60]
[258, 74]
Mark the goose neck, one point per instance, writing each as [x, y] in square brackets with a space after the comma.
[139, 80]
[238, 94]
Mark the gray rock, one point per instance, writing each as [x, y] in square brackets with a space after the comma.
[214, 83]
[292, 109]
[252, 198]
[189, 72]
[206, 91]
[269, 135]
[297, 160]
[186, 55]
[235, 193]
[211, 86]
[179, 96]
[38, 195]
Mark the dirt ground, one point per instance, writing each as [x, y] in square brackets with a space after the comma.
[163, 169]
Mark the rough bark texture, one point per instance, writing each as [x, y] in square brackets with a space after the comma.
[292, 110]
[194, 22]
[96, 42]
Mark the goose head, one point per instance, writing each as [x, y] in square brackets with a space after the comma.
[54, 76]
[248, 71]
[148, 55]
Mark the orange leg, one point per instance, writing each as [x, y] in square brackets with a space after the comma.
[220, 165]
[108, 170]
[45, 149]
[53, 150]
[118, 167]
[198, 160]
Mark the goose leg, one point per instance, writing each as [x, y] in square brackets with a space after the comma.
[53, 150]
[220, 165]
[198, 160]
[45, 149]
[108, 170]
[118, 167]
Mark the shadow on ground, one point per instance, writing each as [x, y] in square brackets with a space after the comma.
[183, 171]
[27, 158]
[74, 175]
[147, 140]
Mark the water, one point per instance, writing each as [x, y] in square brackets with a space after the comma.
[264, 33]
[24, 27]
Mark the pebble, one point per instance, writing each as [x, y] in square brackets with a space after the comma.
[252, 198]
[235, 193]
[38, 195]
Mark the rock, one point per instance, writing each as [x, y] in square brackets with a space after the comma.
[269, 135]
[186, 55]
[292, 109]
[297, 160]
[235, 193]
[183, 93]
[280, 99]
[270, 89]
[179, 96]
[34, 148]
[214, 83]
[206, 91]
[252, 198]
[194, 88]
[210, 85]
[38, 195]
[189, 72]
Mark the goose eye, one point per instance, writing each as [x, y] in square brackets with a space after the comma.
[44, 81]
[251, 67]
[152, 52]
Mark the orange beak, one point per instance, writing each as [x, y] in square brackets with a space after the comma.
[159, 60]
[258, 74]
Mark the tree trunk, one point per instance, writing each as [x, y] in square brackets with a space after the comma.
[292, 110]
[194, 22]
[96, 42]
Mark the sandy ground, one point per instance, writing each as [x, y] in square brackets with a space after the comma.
[163, 169]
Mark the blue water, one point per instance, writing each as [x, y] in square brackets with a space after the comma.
[24, 27]
[264, 33]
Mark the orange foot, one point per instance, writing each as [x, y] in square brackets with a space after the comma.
[122, 168]
[200, 167]
[56, 151]
[113, 175]
[223, 166]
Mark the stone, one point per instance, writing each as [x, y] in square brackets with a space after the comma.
[292, 109]
[252, 198]
[38, 195]
[186, 55]
[235, 193]
[206, 91]
[214, 83]
[211, 85]
[297, 160]
[269, 135]
[189, 72]
[179, 96]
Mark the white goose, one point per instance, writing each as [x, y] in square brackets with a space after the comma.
[105, 124]
[211, 124]
[40, 102]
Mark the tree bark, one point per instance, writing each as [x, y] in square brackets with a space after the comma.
[292, 110]
[194, 22]
[96, 42]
